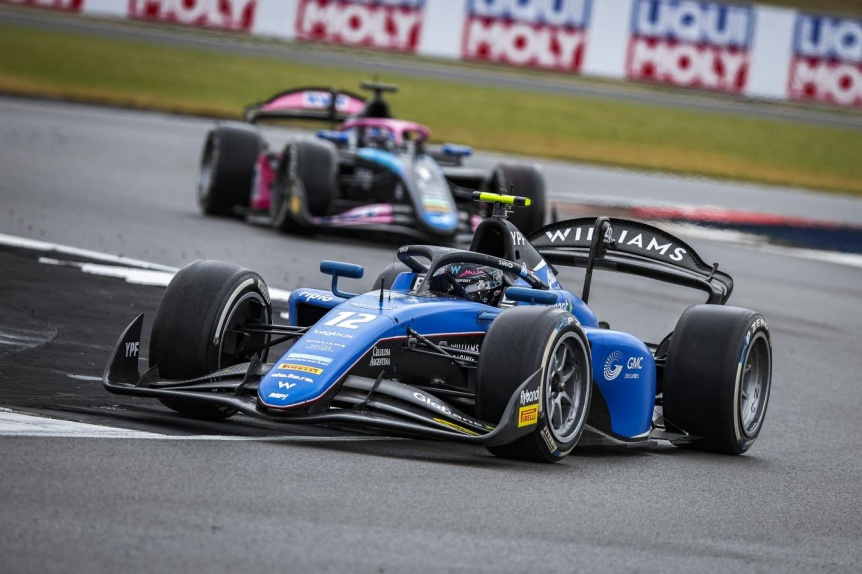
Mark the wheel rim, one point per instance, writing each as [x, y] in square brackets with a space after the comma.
[754, 385]
[234, 342]
[567, 385]
[205, 173]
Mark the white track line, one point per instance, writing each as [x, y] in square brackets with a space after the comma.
[26, 425]
[129, 274]
[139, 276]
[131, 270]
[18, 424]
[35, 245]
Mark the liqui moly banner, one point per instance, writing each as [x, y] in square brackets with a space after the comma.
[233, 15]
[535, 33]
[389, 24]
[827, 60]
[691, 43]
[66, 5]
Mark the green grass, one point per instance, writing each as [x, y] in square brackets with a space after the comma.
[851, 8]
[143, 75]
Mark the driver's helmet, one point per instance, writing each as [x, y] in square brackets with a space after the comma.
[377, 137]
[480, 283]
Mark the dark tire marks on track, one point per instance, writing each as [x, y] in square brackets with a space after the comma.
[79, 316]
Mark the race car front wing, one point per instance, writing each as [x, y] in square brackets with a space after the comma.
[362, 402]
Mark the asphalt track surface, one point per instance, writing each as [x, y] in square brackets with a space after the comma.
[145, 490]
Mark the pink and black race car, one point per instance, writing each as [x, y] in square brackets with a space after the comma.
[371, 172]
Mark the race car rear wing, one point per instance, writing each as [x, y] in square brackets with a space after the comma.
[326, 104]
[633, 247]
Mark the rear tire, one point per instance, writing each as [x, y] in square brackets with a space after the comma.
[718, 377]
[306, 178]
[195, 330]
[227, 168]
[528, 182]
[521, 341]
[389, 274]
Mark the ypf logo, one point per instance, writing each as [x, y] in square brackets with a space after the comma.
[613, 367]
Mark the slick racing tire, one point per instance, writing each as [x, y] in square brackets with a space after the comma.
[227, 168]
[521, 341]
[197, 327]
[718, 377]
[304, 184]
[389, 274]
[528, 182]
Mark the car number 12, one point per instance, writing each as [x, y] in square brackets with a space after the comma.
[349, 319]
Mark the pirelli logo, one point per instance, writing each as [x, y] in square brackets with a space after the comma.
[528, 415]
[303, 368]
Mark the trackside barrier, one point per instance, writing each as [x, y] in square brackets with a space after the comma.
[751, 50]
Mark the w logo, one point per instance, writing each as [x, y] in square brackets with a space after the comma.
[558, 235]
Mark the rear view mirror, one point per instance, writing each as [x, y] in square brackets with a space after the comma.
[531, 296]
[338, 269]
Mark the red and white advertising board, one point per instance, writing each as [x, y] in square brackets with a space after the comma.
[65, 5]
[827, 60]
[232, 15]
[691, 43]
[536, 33]
[754, 50]
[388, 24]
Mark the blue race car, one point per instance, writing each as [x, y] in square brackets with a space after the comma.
[370, 174]
[481, 346]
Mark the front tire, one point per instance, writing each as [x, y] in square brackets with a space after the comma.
[227, 168]
[199, 326]
[305, 181]
[521, 341]
[718, 377]
[528, 182]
